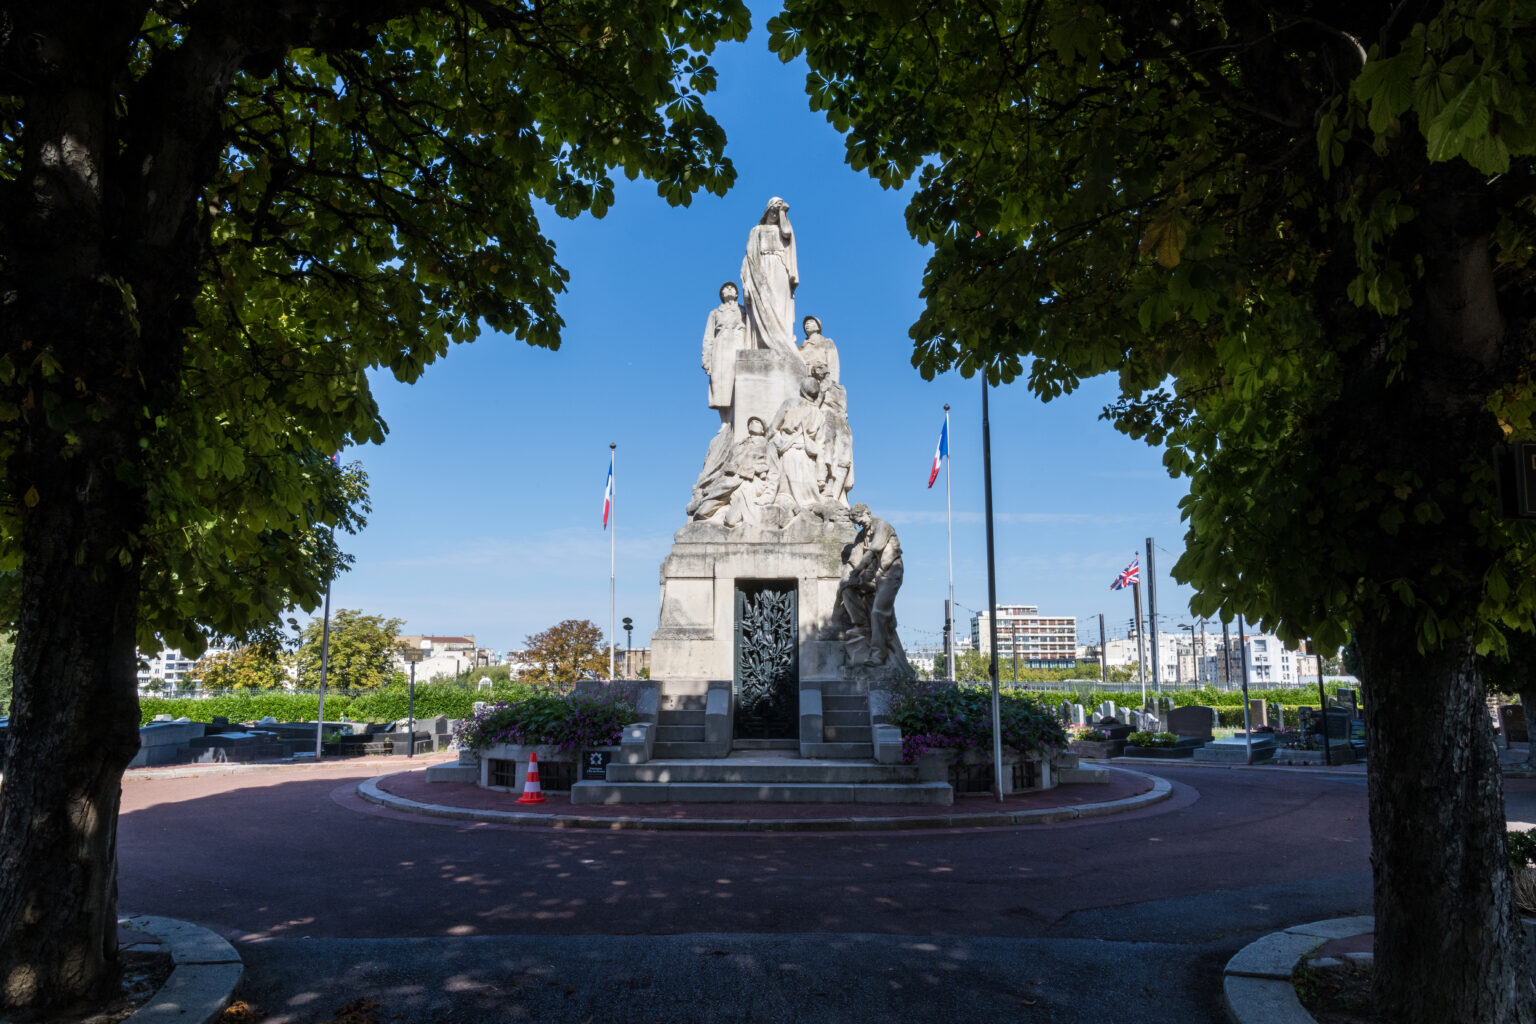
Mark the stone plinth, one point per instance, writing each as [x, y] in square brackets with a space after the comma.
[764, 381]
[696, 635]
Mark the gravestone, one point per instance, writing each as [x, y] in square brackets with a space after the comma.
[1195, 720]
[1349, 700]
[1258, 712]
[1079, 715]
[1114, 729]
[1513, 724]
[1277, 718]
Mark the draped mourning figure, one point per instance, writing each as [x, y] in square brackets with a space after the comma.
[798, 433]
[769, 276]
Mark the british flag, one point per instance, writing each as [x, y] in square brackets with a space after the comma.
[1129, 575]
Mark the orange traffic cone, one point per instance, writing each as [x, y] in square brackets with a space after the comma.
[531, 792]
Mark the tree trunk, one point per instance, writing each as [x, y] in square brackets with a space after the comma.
[83, 387]
[74, 728]
[1449, 949]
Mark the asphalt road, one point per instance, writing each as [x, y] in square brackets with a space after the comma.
[1129, 918]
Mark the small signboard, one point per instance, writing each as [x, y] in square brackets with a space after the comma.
[594, 765]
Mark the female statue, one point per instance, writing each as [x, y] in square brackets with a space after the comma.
[769, 276]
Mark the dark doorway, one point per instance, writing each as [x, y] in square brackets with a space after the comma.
[767, 676]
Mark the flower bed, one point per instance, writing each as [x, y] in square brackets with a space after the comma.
[568, 722]
[935, 716]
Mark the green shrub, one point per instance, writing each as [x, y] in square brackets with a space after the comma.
[933, 715]
[547, 717]
[1521, 847]
[245, 707]
[1147, 738]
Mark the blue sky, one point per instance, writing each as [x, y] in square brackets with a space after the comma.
[487, 496]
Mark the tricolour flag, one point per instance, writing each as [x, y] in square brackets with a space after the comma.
[1130, 574]
[608, 496]
[941, 452]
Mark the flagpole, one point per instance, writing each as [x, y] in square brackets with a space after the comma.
[1141, 650]
[949, 514]
[613, 534]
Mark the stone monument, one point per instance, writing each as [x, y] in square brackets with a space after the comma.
[778, 598]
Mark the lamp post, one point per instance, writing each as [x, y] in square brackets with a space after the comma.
[412, 655]
[629, 646]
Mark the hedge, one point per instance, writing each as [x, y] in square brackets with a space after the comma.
[385, 705]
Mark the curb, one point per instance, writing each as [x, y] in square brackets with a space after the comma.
[1257, 980]
[1161, 790]
[203, 980]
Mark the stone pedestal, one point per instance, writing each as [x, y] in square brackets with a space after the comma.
[696, 635]
[764, 381]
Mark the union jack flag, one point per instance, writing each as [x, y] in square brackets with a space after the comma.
[1130, 574]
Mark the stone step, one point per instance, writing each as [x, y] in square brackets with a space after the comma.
[865, 751]
[843, 688]
[845, 719]
[858, 703]
[684, 749]
[846, 734]
[1073, 776]
[453, 773]
[753, 744]
[683, 701]
[1235, 753]
[691, 716]
[679, 734]
[933, 793]
[787, 771]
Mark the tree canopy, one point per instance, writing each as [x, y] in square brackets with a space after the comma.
[250, 667]
[565, 652]
[215, 218]
[362, 651]
[1301, 239]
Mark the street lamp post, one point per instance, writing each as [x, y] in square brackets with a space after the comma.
[412, 655]
[629, 646]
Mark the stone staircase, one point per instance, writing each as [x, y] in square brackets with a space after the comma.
[762, 776]
[680, 726]
[845, 726]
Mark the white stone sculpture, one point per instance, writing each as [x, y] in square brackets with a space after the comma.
[797, 434]
[835, 468]
[865, 619]
[818, 349]
[725, 334]
[745, 487]
[769, 276]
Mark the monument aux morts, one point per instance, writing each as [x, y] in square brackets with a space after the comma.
[778, 597]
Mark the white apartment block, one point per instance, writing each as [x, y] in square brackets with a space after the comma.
[441, 656]
[1040, 641]
[168, 669]
[1187, 659]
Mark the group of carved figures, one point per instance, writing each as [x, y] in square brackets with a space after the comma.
[801, 461]
[803, 458]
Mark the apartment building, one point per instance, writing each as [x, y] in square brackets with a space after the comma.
[1039, 641]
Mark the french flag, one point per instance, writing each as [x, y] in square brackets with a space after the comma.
[608, 496]
[940, 453]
